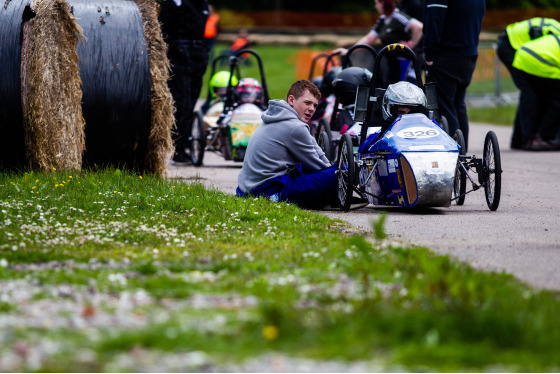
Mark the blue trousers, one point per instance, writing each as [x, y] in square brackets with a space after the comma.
[311, 190]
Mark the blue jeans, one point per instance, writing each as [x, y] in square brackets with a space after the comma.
[311, 190]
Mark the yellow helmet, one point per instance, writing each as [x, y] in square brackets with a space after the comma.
[219, 83]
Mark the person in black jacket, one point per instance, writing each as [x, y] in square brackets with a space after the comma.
[451, 34]
[183, 23]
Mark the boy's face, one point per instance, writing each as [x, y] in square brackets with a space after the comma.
[305, 105]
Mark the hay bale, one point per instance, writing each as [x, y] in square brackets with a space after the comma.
[162, 119]
[53, 121]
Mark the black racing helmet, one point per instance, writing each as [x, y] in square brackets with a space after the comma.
[327, 83]
[318, 81]
[347, 81]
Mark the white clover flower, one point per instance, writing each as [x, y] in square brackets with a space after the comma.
[117, 278]
[3, 263]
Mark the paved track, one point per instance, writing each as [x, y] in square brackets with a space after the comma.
[522, 237]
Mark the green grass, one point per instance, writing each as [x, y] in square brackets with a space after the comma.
[498, 115]
[105, 271]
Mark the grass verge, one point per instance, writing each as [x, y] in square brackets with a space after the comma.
[112, 271]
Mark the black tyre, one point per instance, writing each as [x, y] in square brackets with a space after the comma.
[444, 124]
[198, 139]
[492, 170]
[325, 127]
[345, 172]
[325, 144]
[460, 181]
[225, 146]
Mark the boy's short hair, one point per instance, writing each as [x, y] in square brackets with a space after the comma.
[298, 88]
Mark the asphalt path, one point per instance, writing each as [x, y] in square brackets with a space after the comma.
[521, 238]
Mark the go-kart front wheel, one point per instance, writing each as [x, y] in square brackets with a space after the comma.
[460, 180]
[492, 170]
[198, 139]
[325, 127]
[325, 144]
[345, 172]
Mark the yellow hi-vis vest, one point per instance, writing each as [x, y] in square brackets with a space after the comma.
[540, 57]
[519, 32]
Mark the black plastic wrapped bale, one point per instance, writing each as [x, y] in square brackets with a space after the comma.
[115, 75]
[12, 144]
[163, 120]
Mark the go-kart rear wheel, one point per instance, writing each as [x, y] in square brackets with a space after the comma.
[197, 139]
[325, 127]
[460, 181]
[492, 170]
[345, 172]
[325, 144]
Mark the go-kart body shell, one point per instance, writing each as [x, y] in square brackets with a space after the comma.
[242, 123]
[213, 114]
[229, 123]
[238, 125]
[411, 164]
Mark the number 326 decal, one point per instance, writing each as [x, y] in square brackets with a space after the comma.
[418, 132]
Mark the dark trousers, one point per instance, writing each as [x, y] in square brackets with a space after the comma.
[529, 110]
[452, 75]
[310, 190]
[548, 94]
[188, 63]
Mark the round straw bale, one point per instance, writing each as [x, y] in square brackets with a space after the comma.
[162, 119]
[53, 121]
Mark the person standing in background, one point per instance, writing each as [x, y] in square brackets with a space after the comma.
[451, 35]
[539, 60]
[211, 30]
[529, 110]
[183, 23]
[392, 26]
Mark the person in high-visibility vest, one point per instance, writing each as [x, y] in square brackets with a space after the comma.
[539, 61]
[529, 111]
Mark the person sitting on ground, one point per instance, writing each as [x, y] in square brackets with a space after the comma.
[283, 161]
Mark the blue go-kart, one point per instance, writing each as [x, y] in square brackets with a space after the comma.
[412, 162]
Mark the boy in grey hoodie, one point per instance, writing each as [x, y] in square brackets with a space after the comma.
[283, 161]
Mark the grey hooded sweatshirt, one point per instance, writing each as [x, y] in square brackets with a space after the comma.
[281, 142]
